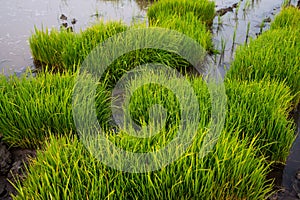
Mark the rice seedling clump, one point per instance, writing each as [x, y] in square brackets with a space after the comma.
[189, 25]
[288, 17]
[65, 170]
[64, 50]
[203, 10]
[255, 110]
[272, 56]
[192, 18]
[31, 106]
[261, 110]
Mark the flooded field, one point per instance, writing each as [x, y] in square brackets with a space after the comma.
[18, 19]
[239, 21]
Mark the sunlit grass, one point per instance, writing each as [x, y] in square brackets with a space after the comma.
[272, 56]
[32, 106]
[64, 50]
[261, 110]
[256, 125]
[65, 170]
[288, 17]
[189, 25]
[255, 109]
[203, 10]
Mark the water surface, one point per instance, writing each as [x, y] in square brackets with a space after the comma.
[18, 18]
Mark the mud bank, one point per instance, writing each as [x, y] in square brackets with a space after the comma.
[12, 162]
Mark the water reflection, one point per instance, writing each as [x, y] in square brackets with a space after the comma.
[232, 30]
[18, 18]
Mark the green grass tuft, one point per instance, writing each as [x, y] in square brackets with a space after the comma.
[255, 110]
[189, 25]
[272, 56]
[261, 110]
[31, 106]
[288, 17]
[65, 170]
[203, 10]
[64, 50]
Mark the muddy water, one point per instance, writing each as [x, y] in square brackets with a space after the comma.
[290, 180]
[244, 20]
[18, 18]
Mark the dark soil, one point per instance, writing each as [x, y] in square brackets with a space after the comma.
[282, 193]
[12, 162]
[223, 11]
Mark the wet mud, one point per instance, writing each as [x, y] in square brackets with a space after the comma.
[12, 166]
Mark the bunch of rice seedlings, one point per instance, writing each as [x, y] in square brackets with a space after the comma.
[155, 108]
[65, 170]
[47, 46]
[288, 17]
[261, 110]
[73, 48]
[255, 110]
[204, 10]
[189, 25]
[151, 95]
[63, 50]
[32, 106]
[139, 45]
[142, 57]
[272, 56]
[89, 39]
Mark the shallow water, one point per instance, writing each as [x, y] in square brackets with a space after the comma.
[293, 161]
[18, 18]
[249, 13]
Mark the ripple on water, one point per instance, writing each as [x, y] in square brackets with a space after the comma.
[18, 18]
